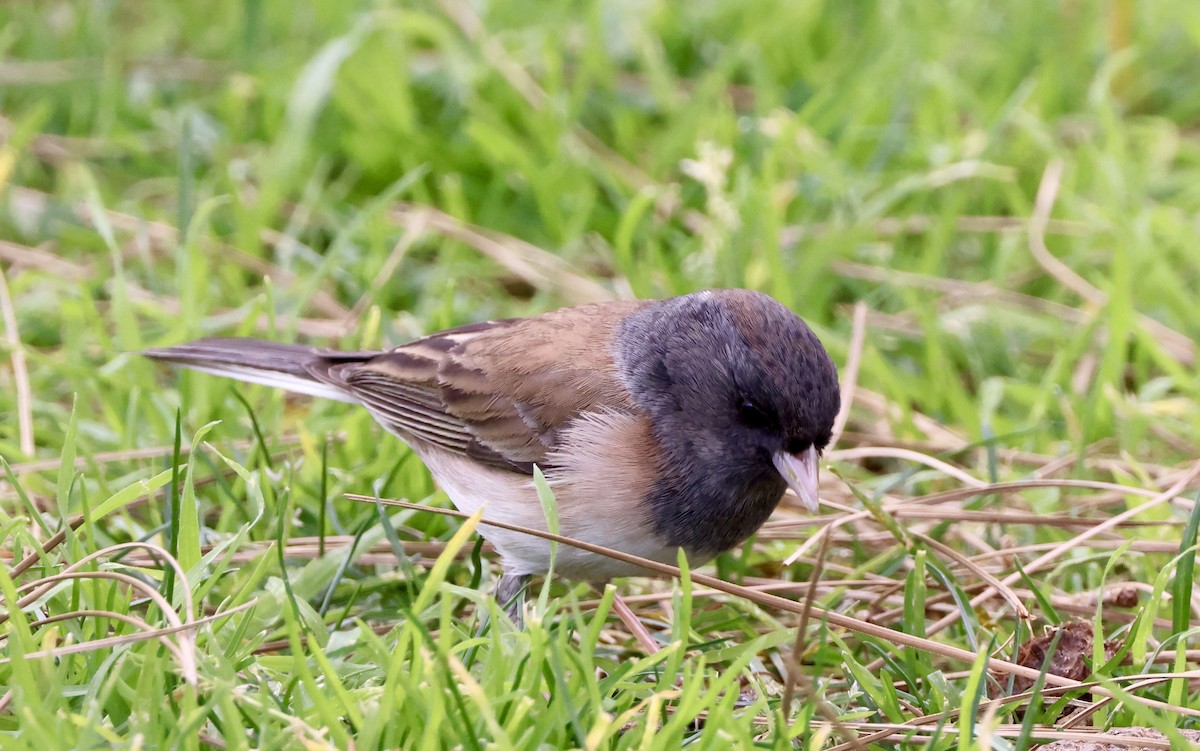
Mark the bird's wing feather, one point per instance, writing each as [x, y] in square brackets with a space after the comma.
[400, 388]
[499, 392]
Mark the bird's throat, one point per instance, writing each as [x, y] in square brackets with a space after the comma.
[706, 516]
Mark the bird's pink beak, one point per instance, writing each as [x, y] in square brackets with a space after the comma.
[800, 472]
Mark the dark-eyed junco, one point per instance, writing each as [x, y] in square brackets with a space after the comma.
[659, 424]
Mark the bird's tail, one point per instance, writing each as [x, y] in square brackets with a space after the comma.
[293, 367]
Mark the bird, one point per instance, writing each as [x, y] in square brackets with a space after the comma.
[658, 424]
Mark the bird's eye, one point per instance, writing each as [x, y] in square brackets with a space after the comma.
[754, 416]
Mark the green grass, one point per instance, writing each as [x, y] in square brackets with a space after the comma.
[361, 173]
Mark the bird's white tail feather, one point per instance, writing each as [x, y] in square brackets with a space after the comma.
[272, 378]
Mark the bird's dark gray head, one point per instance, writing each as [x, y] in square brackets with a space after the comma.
[742, 398]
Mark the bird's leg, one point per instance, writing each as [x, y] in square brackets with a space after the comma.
[510, 595]
[635, 626]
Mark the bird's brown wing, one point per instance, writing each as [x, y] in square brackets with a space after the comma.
[498, 392]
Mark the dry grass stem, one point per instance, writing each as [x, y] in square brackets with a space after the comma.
[532, 264]
[12, 338]
[764, 599]
[472, 27]
[919, 225]
[1179, 346]
[849, 377]
[1077, 541]
[35, 204]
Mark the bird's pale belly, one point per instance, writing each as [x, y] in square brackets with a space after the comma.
[511, 498]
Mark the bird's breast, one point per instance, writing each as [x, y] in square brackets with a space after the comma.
[600, 474]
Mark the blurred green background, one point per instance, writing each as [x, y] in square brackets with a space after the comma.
[1011, 192]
